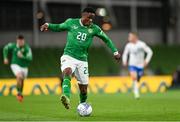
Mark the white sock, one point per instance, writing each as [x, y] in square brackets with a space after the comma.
[135, 89]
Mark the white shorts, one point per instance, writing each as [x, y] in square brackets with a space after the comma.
[79, 68]
[18, 69]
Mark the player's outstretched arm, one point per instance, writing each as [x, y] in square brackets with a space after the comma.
[56, 27]
[109, 43]
[125, 55]
[6, 50]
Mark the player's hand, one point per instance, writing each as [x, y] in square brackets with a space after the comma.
[44, 27]
[117, 56]
[19, 54]
[145, 64]
[6, 61]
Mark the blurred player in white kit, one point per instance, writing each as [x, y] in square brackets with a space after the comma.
[134, 57]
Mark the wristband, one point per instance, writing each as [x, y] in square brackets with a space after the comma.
[116, 53]
[47, 24]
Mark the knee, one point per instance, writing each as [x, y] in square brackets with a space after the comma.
[19, 76]
[133, 76]
[67, 72]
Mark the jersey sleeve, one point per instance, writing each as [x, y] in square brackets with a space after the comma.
[125, 54]
[149, 52]
[28, 55]
[106, 39]
[6, 50]
[59, 27]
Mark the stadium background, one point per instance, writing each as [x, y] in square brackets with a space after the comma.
[156, 21]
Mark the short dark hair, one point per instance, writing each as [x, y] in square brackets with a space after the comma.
[20, 36]
[89, 10]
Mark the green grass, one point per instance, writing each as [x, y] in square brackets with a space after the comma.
[160, 106]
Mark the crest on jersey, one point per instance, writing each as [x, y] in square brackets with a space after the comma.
[75, 27]
[90, 30]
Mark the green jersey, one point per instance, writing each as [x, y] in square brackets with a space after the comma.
[13, 48]
[80, 37]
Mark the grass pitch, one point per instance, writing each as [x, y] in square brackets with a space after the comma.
[120, 107]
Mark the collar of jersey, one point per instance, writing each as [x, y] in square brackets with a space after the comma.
[80, 22]
[18, 46]
[83, 25]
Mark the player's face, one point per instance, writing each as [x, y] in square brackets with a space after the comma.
[87, 18]
[132, 38]
[20, 42]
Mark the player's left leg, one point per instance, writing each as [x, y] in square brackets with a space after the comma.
[20, 85]
[134, 76]
[140, 73]
[135, 84]
[82, 76]
[83, 92]
[21, 74]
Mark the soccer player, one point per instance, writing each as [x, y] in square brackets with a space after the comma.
[21, 57]
[137, 61]
[74, 60]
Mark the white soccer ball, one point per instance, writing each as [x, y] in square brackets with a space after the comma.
[84, 109]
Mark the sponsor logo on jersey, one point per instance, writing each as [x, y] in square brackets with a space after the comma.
[75, 27]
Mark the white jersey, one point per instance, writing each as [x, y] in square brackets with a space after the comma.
[136, 52]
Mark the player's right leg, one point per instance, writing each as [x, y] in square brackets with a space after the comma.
[66, 87]
[67, 68]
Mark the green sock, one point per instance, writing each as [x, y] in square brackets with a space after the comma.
[19, 89]
[83, 97]
[66, 86]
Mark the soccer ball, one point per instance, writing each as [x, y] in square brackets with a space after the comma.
[84, 109]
